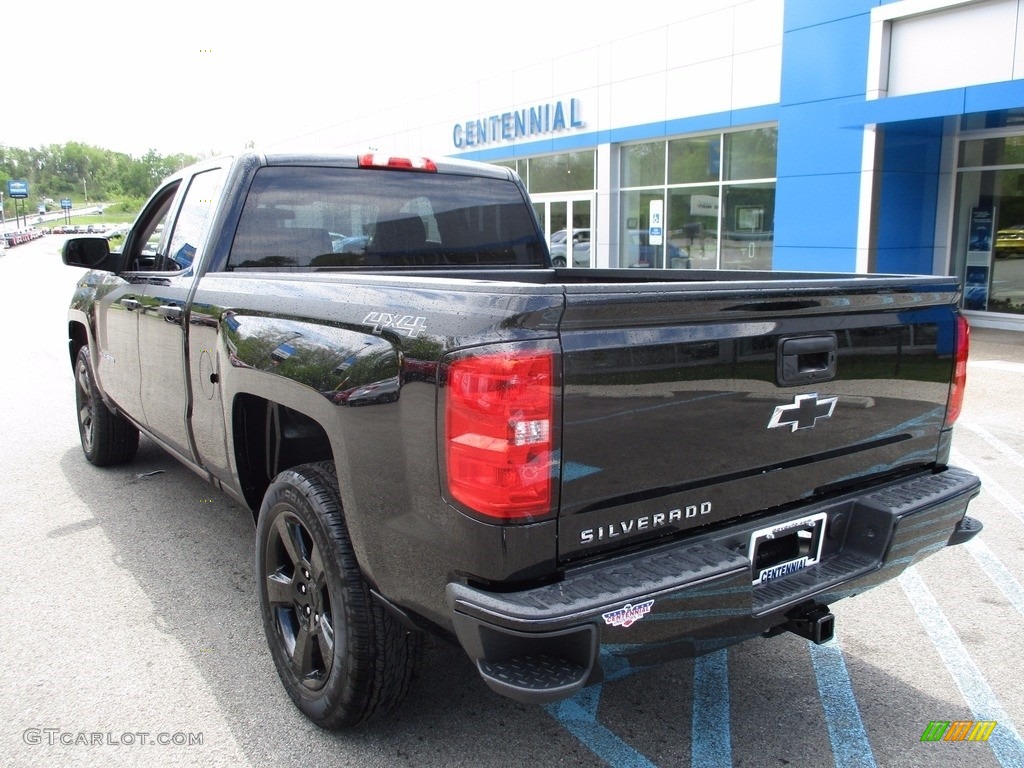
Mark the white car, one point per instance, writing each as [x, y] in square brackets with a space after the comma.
[580, 248]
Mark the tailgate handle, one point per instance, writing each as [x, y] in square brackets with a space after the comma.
[806, 360]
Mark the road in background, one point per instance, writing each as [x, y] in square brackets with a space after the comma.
[130, 628]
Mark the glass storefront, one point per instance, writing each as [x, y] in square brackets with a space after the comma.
[988, 231]
[714, 193]
[566, 172]
[693, 202]
[562, 188]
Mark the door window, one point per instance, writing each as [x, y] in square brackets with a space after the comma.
[193, 220]
[145, 241]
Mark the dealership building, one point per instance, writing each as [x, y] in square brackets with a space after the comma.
[820, 135]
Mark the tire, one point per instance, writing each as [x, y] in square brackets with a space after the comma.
[558, 261]
[108, 438]
[341, 656]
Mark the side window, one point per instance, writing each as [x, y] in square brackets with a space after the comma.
[193, 220]
[147, 235]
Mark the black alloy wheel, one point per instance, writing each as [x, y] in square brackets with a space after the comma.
[342, 657]
[108, 438]
[300, 601]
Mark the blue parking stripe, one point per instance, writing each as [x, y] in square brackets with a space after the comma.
[999, 573]
[850, 745]
[578, 715]
[991, 488]
[710, 737]
[1005, 742]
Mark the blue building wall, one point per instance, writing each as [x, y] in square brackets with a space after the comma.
[822, 114]
[907, 199]
[824, 70]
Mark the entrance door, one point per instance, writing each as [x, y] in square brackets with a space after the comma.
[567, 223]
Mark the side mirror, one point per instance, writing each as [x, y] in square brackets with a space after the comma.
[88, 252]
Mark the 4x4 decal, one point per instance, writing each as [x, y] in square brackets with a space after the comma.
[407, 325]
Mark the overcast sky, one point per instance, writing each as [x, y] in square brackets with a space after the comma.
[207, 77]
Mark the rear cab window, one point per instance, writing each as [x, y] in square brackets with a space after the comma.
[310, 218]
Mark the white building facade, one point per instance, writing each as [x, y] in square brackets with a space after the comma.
[811, 135]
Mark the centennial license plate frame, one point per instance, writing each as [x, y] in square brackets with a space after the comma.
[786, 548]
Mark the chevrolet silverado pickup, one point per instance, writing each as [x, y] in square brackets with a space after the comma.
[437, 431]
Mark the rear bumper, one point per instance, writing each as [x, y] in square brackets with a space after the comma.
[694, 596]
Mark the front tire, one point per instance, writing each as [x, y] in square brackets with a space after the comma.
[341, 657]
[108, 438]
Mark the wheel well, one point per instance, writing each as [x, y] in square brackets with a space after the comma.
[269, 438]
[77, 338]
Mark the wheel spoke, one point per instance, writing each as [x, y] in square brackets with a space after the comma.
[280, 589]
[325, 638]
[83, 383]
[85, 419]
[316, 566]
[302, 657]
[285, 533]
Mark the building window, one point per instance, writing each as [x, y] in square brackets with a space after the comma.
[988, 230]
[715, 195]
[565, 172]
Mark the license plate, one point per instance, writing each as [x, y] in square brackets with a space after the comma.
[786, 548]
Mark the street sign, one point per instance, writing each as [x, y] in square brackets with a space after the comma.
[65, 203]
[17, 188]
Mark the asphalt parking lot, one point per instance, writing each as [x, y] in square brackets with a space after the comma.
[130, 631]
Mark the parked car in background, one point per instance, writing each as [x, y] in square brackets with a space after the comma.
[1010, 242]
[580, 248]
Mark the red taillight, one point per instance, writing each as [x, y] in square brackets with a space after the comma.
[499, 422]
[956, 393]
[372, 160]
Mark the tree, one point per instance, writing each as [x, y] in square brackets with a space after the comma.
[74, 169]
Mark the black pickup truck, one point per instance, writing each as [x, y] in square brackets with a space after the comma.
[437, 431]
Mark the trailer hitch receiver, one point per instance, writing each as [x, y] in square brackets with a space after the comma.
[814, 622]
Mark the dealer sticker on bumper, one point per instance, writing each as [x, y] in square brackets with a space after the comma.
[628, 614]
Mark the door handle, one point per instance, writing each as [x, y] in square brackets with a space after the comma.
[806, 360]
[130, 303]
[170, 311]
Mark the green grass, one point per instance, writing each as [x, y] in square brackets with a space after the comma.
[110, 219]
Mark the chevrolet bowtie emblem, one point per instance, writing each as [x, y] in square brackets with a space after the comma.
[803, 413]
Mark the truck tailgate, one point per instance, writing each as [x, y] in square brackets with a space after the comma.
[685, 407]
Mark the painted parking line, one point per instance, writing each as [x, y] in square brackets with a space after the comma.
[990, 487]
[711, 744]
[710, 739]
[998, 573]
[1010, 453]
[1005, 741]
[578, 715]
[850, 745]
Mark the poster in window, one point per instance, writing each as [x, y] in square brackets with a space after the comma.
[978, 269]
[749, 218]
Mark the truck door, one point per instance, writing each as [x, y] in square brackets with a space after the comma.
[167, 395]
[117, 360]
